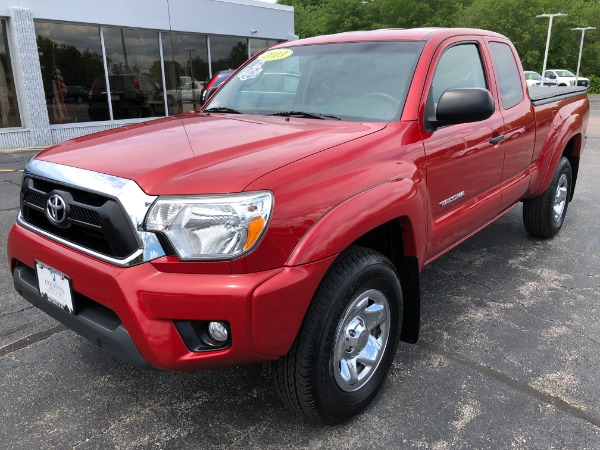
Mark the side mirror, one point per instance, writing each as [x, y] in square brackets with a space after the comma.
[207, 93]
[463, 105]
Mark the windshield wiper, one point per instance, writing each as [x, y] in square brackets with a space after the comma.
[221, 109]
[306, 115]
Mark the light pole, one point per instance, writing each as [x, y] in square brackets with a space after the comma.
[193, 82]
[582, 29]
[551, 16]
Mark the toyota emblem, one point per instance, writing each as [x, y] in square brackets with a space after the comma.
[56, 209]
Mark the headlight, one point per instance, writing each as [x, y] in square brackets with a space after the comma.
[211, 227]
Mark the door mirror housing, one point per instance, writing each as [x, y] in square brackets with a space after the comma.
[463, 105]
[207, 93]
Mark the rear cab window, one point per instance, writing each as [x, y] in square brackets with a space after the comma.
[507, 72]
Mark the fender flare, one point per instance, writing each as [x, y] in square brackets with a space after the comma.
[311, 259]
[553, 153]
[354, 217]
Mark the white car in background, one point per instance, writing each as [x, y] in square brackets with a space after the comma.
[187, 92]
[533, 79]
[190, 90]
[563, 77]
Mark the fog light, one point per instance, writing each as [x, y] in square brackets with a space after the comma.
[218, 331]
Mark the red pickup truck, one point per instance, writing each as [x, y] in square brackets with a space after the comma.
[288, 221]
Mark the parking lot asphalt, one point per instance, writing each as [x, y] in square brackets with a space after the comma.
[509, 357]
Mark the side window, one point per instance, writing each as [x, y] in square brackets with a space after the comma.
[459, 67]
[509, 80]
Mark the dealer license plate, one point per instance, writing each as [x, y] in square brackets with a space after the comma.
[55, 286]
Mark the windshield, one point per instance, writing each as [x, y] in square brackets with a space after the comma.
[564, 73]
[354, 81]
[533, 76]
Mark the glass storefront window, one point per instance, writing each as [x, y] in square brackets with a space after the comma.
[256, 45]
[135, 76]
[71, 59]
[186, 69]
[227, 52]
[9, 107]
[74, 71]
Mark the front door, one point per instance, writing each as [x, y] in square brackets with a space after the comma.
[464, 161]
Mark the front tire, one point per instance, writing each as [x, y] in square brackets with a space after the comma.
[544, 215]
[347, 342]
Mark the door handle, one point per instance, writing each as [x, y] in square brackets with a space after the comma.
[497, 139]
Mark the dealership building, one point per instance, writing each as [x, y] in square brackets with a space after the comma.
[74, 67]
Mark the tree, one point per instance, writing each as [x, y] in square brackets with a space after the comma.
[516, 19]
[314, 17]
[79, 67]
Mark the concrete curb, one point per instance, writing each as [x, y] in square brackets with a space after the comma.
[21, 149]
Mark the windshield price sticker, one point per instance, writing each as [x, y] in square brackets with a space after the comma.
[251, 71]
[54, 286]
[273, 55]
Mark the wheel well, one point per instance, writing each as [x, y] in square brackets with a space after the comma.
[571, 152]
[394, 240]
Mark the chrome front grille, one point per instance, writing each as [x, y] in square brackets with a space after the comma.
[92, 221]
[103, 215]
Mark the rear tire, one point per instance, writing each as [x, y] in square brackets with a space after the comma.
[347, 342]
[544, 215]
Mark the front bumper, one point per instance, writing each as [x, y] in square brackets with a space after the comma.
[130, 311]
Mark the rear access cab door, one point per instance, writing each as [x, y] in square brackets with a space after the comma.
[519, 120]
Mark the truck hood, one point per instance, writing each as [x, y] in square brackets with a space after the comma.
[193, 153]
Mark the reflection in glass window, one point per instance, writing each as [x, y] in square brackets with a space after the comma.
[9, 108]
[508, 75]
[186, 69]
[71, 59]
[227, 52]
[256, 45]
[135, 76]
[322, 80]
[468, 74]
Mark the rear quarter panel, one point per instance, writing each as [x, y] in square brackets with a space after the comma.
[556, 124]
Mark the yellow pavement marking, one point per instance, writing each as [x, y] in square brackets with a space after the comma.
[11, 170]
